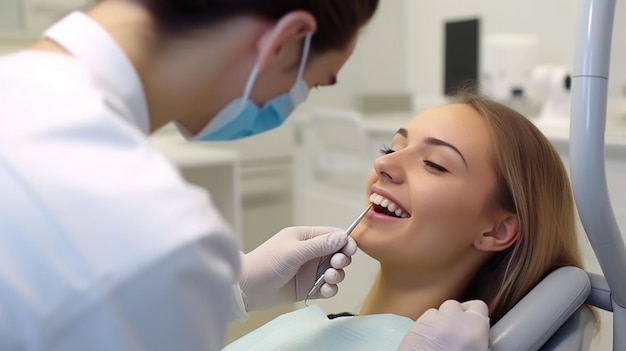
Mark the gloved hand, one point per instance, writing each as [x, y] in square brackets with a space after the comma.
[454, 326]
[282, 270]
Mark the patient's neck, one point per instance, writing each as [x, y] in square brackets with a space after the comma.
[410, 295]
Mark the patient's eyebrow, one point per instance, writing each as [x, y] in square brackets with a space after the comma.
[403, 132]
[439, 142]
[434, 142]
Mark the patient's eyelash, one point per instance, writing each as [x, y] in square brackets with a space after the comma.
[386, 150]
[435, 166]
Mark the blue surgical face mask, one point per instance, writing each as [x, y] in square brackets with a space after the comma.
[242, 117]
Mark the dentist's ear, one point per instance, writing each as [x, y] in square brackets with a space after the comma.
[501, 236]
[292, 27]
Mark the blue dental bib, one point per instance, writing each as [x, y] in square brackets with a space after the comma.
[310, 329]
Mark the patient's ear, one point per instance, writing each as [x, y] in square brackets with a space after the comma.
[501, 236]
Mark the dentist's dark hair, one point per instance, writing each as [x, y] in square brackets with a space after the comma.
[338, 21]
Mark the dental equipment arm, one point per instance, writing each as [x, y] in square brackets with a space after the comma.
[588, 123]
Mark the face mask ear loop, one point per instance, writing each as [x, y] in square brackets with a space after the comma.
[255, 70]
[305, 54]
[250, 82]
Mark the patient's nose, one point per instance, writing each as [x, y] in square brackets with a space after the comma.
[388, 168]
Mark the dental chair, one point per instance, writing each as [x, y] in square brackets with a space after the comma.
[552, 316]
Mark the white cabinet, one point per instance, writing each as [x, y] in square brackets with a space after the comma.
[217, 171]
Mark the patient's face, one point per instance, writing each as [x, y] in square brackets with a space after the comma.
[437, 181]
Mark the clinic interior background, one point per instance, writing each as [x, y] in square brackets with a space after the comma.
[397, 70]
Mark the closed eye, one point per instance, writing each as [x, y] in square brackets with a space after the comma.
[386, 150]
[435, 167]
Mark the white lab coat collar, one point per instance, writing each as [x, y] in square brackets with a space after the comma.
[88, 42]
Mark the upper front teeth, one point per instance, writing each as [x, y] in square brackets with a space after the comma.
[384, 202]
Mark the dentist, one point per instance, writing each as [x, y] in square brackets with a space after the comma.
[103, 245]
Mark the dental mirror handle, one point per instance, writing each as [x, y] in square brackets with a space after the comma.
[325, 263]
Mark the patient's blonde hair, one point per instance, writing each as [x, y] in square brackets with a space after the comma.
[531, 182]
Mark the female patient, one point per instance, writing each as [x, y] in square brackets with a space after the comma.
[471, 202]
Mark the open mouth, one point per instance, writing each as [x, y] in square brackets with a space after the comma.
[387, 207]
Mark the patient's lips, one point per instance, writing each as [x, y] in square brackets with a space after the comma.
[387, 206]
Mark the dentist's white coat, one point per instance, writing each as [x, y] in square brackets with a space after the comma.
[103, 246]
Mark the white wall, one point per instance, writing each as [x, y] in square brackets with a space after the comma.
[378, 64]
[382, 54]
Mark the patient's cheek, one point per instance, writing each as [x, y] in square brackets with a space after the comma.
[363, 239]
[361, 232]
[356, 235]
[372, 242]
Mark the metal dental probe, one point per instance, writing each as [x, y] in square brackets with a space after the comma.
[325, 264]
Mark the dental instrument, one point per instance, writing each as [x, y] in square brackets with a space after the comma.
[325, 264]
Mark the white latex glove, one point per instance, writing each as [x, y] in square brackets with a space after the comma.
[283, 269]
[453, 327]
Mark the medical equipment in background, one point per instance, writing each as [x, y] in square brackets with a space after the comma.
[461, 54]
[587, 163]
[511, 74]
[325, 264]
[551, 86]
[506, 65]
